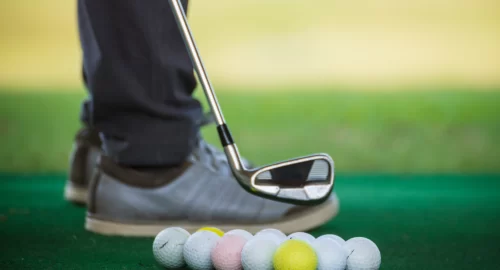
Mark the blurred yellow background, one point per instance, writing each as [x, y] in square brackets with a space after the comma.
[257, 43]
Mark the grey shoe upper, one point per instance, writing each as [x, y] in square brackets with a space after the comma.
[200, 190]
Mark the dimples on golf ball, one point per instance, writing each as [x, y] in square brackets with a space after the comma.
[302, 236]
[198, 249]
[276, 239]
[240, 232]
[331, 256]
[362, 254]
[257, 254]
[334, 237]
[276, 233]
[168, 247]
[226, 254]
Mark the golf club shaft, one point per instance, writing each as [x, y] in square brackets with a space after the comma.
[181, 19]
[224, 134]
[183, 25]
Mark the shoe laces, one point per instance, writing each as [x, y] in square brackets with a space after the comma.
[210, 155]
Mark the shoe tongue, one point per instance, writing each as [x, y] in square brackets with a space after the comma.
[206, 119]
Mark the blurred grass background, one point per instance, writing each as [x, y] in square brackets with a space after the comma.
[382, 86]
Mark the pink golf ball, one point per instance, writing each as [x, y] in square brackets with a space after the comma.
[226, 254]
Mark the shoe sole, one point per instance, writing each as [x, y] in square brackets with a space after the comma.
[315, 217]
[75, 194]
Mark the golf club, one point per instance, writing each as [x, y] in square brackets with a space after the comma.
[305, 180]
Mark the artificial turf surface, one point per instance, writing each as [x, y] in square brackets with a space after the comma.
[418, 222]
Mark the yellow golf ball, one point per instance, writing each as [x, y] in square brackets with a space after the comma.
[213, 229]
[295, 254]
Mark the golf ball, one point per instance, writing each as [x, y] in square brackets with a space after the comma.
[276, 239]
[302, 236]
[198, 248]
[334, 237]
[362, 254]
[218, 231]
[257, 254]
[240, 232]
[277, 234]
[168, 247]
[226, 255]
[295, 255]
[331, 256]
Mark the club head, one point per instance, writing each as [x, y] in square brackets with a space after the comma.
[306, 180]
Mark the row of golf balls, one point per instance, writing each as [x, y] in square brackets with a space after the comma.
[210, 248]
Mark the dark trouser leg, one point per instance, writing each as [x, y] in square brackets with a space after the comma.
[140, 80]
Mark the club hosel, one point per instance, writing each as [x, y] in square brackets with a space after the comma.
[230, 148]
[234, 158]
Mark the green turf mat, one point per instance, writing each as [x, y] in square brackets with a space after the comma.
[418, 221]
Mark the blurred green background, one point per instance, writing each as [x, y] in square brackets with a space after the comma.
[404, 95]
[382, 86]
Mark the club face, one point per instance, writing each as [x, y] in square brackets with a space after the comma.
[307, 180]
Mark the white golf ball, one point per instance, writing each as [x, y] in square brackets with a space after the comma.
[258, 252]
[302, 236]
[334, 237]
[271, 237]
[362, 254]
[331, 256]
[168, 247]
[241, 233]
[198, 249]
[277, 234]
